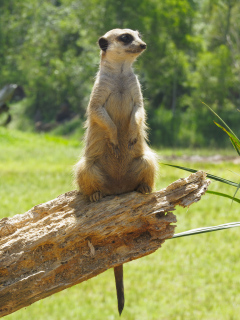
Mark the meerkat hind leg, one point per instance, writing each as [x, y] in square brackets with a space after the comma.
[90, 180]
[144, 168]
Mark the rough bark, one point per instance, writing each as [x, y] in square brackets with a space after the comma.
[65, 241]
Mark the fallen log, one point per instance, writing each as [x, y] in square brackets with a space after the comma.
[65, 241]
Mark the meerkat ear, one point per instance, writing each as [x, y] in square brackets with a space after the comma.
[103, 43]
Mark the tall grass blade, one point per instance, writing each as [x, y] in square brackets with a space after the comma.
[235, 141]
[210, 176]
[233, 136]
[236, 191]
[224, 195]
[206, 229]
[220, 119]
[235, 146]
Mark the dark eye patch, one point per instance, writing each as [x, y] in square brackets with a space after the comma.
[126, 38]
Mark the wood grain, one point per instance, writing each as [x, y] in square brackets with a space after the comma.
[65, 241]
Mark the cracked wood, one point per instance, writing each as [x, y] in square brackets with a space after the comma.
[65, 241]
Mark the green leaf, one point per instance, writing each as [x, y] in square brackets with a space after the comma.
[206, 229]
[211, 176]
[224, 195]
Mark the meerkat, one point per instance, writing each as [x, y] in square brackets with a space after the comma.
[116, 158]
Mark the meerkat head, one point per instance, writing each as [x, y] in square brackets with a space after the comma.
[121, 45]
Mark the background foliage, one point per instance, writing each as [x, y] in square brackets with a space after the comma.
[49, 47]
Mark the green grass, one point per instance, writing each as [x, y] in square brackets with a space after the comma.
[189, 278]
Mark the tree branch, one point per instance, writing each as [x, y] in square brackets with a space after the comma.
[65, 241]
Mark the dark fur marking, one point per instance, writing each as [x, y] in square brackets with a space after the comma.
[103, 43]
[126, 38]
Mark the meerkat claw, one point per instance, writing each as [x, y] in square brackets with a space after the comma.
[144, 188]
[131, 143]
[115, 149]
[96, 196]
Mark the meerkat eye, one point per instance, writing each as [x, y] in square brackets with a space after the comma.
[139, 35]
[126, 38]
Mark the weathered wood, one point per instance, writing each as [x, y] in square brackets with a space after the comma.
[65, 241]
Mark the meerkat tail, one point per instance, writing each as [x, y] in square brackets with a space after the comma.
[118, 272]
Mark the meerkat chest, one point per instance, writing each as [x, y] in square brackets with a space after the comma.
[121, 102]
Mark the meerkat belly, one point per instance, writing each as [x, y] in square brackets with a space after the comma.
[118, 178]
[119, 107]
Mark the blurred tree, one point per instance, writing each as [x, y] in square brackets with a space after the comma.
[50, 48]
[219, 62]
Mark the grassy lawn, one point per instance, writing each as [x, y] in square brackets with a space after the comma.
[189, 278]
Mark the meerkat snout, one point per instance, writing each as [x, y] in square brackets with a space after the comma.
[143, 45]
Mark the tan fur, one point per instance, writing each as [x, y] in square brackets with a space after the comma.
[116, 157]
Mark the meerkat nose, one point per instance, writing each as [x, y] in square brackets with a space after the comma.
[143, 46]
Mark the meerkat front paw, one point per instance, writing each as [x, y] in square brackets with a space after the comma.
[144, 188]
[131, 143]
[115, 149]
[96, 196]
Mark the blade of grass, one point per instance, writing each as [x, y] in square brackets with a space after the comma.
[235, 173]
[236, 191]
[233, 136]
[234, 140]
[224, 195]
[235, 146]
[206, 229]
[220, 119]
[211, 176]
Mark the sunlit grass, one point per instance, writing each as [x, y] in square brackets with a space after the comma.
[189, 278]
